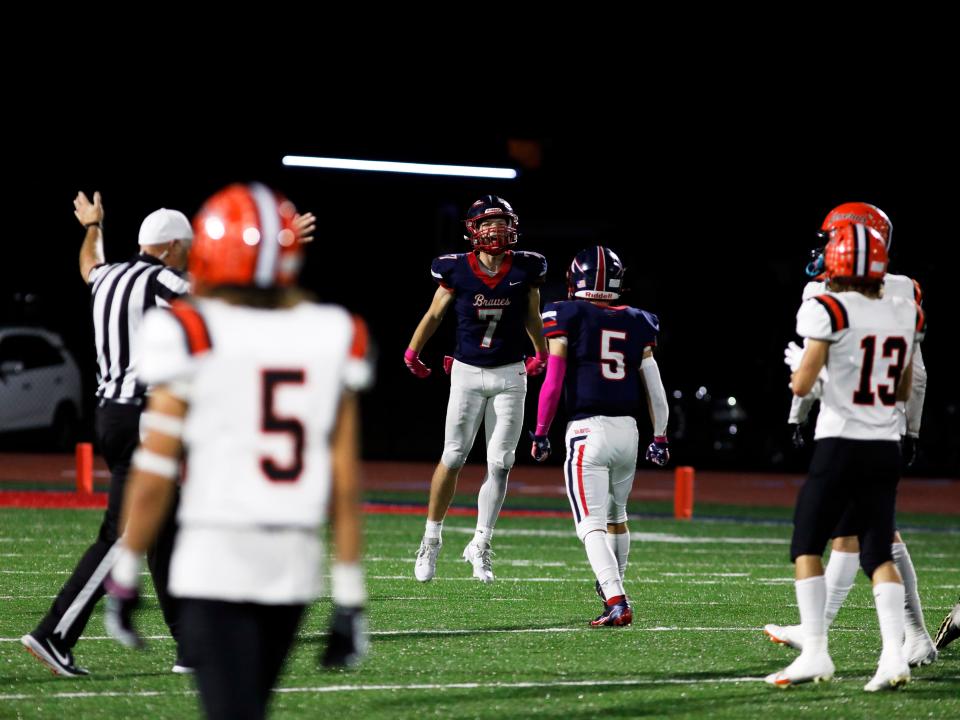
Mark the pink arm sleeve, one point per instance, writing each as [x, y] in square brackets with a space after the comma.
[550, 393]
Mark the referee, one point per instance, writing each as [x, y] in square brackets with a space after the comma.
[120, 295]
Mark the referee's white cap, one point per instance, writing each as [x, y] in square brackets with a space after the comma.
[163, 226]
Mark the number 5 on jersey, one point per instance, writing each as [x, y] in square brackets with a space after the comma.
[273, 423]
[612, 365]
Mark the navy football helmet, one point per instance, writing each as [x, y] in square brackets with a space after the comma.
[595, 274]
[492, 239]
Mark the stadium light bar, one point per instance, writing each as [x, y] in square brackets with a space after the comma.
[399, 167]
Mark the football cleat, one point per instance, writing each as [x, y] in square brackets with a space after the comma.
[617, 615]
[890, 676]
[480, 557]
[919, 650]
[48, 651]
[426, 566]
[785, 635]
[809, 667]
[949, 628]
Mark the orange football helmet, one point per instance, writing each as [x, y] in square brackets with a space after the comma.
[864, 214]
[855, 252]
[244, 235]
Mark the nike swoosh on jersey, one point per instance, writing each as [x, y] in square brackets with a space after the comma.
[516, 283]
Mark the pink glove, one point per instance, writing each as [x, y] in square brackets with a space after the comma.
[537, 364]
[447, 363]
[414, 364]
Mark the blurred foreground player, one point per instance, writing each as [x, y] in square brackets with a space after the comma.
[255, 384]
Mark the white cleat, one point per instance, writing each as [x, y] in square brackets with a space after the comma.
[785, 635]
[479, 557]
[806, 668]
[426, 566]
[890, 676]
[918, 650]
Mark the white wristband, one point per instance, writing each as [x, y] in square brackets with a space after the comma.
[349, 589]
[164, 424]
[155, 463]
[126, 568]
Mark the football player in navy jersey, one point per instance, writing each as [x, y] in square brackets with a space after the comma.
[495, 291]
[598, 354]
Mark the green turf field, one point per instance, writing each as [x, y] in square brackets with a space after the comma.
[519, 647]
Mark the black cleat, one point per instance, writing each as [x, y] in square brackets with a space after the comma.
[48, 651]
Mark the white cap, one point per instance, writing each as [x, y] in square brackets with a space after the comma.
[163, 226]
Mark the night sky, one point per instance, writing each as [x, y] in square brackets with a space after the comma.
[713, 219]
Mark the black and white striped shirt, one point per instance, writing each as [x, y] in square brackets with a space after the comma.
[120, 295]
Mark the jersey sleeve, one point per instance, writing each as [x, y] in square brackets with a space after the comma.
[921, 328]
[168, 285]
[822, 317]
[165, 355]
[358, 369]
[812, 289]
[96, 272]
[442, 271]
[556, 318]
[649, 327]
[535, 266]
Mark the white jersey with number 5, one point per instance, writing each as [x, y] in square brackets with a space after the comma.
[263, 387]
[871, 342]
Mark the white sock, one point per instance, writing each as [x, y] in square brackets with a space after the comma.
[433, 529]
[483, 536]
[604, 563]
[490, 498]
[620, 546]
[840, 573]
[913, 612]
[811, 599]
[888, 597]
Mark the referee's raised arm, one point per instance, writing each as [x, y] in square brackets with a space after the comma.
[90, 216]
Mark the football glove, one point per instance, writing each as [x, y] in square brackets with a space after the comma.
[118, 613]
[796, 437]
[347, 641]
[537, 364]
[415, 364]
[792, 355]
[658, 452]
[909, 449]
[540, 450]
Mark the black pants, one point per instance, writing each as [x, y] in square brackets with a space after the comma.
[118, 435]
[238, 651]
[857, 477]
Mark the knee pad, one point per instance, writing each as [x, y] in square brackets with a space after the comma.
[504, 461]
[590, 524]
[453, 457]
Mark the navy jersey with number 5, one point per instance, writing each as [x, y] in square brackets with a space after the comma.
[605, 346]
[491, 310]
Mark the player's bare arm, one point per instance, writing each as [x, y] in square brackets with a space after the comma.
[906, 384]
[534, 322]
[90, 215]
[814, 358]
[442, 299]
[151, 488]
[345, 504]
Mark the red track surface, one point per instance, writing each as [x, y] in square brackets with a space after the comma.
[57, 472]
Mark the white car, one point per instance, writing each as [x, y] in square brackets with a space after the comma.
[40, 387]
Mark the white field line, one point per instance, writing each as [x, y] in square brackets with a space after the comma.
[592, 683]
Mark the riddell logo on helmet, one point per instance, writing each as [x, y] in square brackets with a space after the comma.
[599, 295]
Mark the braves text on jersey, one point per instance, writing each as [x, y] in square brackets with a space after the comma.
[491, 309]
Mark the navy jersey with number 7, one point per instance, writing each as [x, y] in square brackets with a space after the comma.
[491, 309]
[605, 346]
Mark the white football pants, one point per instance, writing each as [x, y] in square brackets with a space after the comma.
[599, 469]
